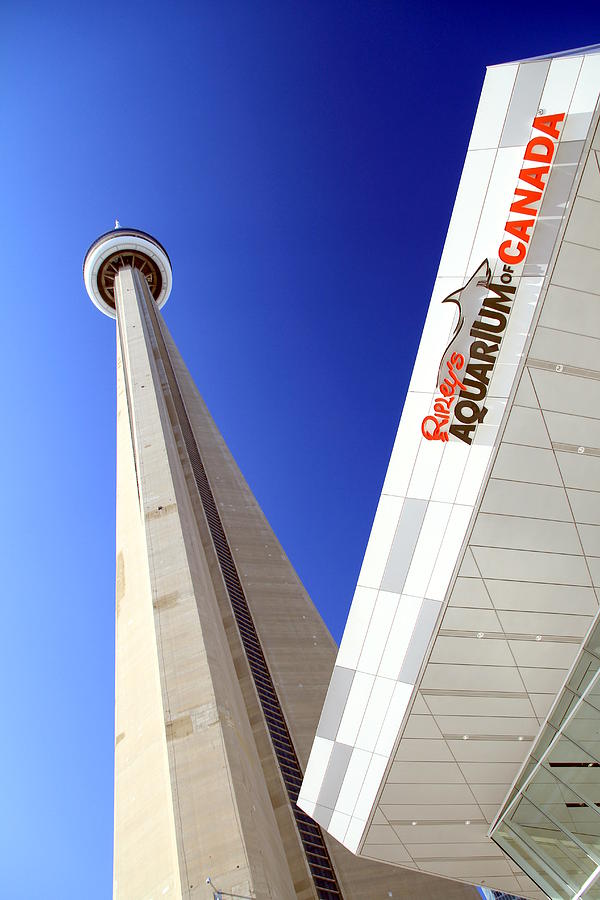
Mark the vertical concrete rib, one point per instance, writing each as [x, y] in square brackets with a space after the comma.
[310, 834]
[223, 822]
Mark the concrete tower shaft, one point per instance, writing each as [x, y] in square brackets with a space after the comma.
[213, 815]
[222, 661]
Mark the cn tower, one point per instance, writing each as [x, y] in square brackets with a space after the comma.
[222, 661]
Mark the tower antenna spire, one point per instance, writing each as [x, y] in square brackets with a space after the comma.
[117, 224]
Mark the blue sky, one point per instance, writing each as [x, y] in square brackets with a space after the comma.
[299, 161]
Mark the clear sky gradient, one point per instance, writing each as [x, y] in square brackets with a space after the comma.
[299, 161]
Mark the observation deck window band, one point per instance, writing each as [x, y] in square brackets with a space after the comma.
[234, 587]
[130, 244]
[121, 259]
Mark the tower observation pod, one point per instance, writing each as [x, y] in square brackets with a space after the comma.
[120, 249]
[222, 661]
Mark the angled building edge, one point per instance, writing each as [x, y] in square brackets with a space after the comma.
[459, 732]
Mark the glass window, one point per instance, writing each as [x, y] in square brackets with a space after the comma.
[575, 816]
[593, 642]
[564, 706]
[586, 668]
[556, 848]
[584, 729]
[575, 768]
[593, 892]
[531, 863]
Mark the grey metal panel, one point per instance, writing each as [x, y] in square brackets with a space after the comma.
[520, 463]
[590, 538]
[578, 268]
[468, 567]
[423, 630]
[526, 426]
[323, 815]
[538, 501]
[590, 181]
[403, 545]
[525, 533]
[585, 505]
[571, 311]
[561, 178]
[556, 195]
[594, 562]
[566, 348]
[531, 565]
[549, 598]
[470, 593]
[335, 702]
[524, 103]
[541, 247]
[579, 470]
[578, 430]
[525, 392]
[568, 153]
[562, 393]
[584, 223]
[335, 774]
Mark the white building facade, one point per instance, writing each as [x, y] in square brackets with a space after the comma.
[460, 735]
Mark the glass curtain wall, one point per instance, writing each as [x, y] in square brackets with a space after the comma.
[550, 825]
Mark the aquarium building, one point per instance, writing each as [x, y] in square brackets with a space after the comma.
[460, 735]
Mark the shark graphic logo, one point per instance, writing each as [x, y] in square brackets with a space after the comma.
[469, 300]
[468, 361]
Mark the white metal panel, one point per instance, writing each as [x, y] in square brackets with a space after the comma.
[495, 97]
[356, 627]
[560, 84]
[379, 628]
[496, 207]
[408, 439]
[384, 526]
[467, 211]
[315, 770]
[379, 701]
[399, 636]
[356, 705]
